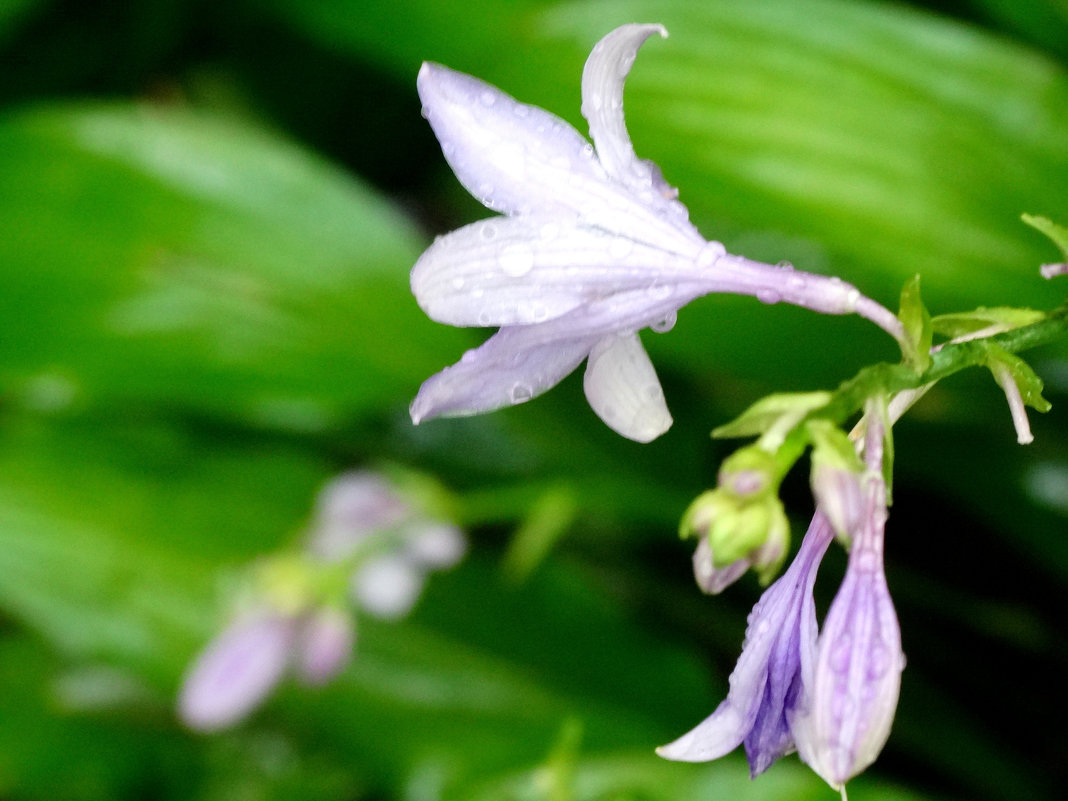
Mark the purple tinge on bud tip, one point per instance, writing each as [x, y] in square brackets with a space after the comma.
[236, 672]
[844, 716]
[324, 645]
[711, 579]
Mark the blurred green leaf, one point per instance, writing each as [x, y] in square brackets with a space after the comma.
[156, 255]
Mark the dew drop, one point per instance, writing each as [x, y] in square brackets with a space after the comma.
[879, 662]
[484, 318]
[666, 323]
[587, 151]
[852, 297]
[488, 231]
[785, 265]
[768, 296]
[424, 112]
[710, 254]
[520, 392]
[840, 653]
[521, 110]
[516, 260]
[652, 392]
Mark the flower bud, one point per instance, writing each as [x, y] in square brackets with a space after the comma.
[711, 579]
[237, 670]
[324, 645]
[835, 478]
[754, 531]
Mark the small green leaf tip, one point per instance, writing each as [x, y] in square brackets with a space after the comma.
[1057, 233]
[963, 323]
[773, 417]
[916, 344]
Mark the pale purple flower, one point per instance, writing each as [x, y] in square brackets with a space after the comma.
[324, 644]
[296, 617]
[711, 579]
[766, 681]
[236, 672]
[852, 676]
[361, 517]
[594, 248]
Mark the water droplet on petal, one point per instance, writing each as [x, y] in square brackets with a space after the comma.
[852, 297]
[652, 392]
[516, 260]
[666, 323]
[484, 318]
[487, 98]
[840, 654]
[587, 151]
[785, 265]
[710, 254]
[424, 112]
[488, 231]
[521, 110]
[520, 392]
[768, 296]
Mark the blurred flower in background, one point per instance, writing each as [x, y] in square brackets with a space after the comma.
[367, 549]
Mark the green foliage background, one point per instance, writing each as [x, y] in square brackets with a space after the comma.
[207, 216]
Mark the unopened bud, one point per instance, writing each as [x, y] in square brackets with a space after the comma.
[324, 645]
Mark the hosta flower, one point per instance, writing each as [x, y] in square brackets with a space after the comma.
[297, 617]
[851, 684]
[594, 247]
[766, 681]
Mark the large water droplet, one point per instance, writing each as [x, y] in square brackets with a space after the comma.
[516, 260]
[666, 323]
[520, 392]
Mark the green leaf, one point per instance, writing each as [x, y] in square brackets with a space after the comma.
[1057, 233]
[781, 412]
[962, 323]
[916, 320]
[1002, 362]
[162, 256]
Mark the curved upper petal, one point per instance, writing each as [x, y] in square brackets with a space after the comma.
[520, 159]
[622, 388]
[508, 368]
[602, 105]
[523, 270]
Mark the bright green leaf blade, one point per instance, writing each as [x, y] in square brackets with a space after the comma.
[162, 256]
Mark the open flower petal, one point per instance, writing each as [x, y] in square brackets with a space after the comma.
[602, 105]
[765, 679]
[622, 388]
[523, 270]
[505, 370]
[520, 160]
